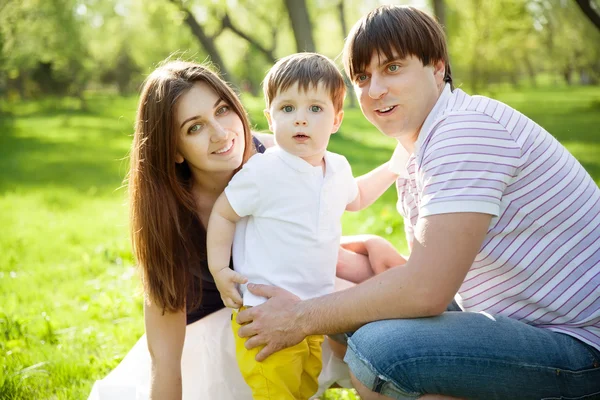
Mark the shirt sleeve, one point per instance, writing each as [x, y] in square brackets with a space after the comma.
[243, 191]
[466, 166]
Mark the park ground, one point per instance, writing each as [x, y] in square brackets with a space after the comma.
[70, 302]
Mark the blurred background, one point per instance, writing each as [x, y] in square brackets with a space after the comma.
[70, 72]
[65, 47]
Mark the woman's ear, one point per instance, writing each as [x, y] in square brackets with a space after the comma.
[337, 121]
[179, 158]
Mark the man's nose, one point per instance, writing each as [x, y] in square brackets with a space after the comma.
[377, 87]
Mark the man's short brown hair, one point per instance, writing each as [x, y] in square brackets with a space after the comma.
[405, 30]
[308, 70]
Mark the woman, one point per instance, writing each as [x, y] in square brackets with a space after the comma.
[192, 134]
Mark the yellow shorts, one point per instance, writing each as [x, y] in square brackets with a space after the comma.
[291, 373]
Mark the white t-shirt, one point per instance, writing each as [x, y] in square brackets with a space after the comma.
[291, 235]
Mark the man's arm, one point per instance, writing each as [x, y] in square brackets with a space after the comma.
[219, 238]
[371, 186]
[444, 249]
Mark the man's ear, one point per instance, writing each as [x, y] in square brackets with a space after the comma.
[337, 121]
[268, 116]
[439, 70]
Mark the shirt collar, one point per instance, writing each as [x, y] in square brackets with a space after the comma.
[401, 156]
[298, 163]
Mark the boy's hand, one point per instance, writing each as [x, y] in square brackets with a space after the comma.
[226, 280]
[382, 254]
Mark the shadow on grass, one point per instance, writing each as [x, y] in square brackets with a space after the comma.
[87, 159]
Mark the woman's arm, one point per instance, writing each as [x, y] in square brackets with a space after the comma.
[165, 333]
[267, 139]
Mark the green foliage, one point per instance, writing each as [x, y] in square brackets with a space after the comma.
[71, 303]
[65, 46]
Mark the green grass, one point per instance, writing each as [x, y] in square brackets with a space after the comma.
[69, 294]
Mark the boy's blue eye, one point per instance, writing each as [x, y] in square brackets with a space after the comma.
[287, 109]
[315, 108]
[361, 78]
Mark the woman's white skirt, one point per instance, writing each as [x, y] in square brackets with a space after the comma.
[208, 365]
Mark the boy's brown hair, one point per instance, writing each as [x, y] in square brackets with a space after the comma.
[405, 30]
[308, 70]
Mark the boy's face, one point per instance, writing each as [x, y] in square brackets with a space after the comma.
[303, 121]
[397, 95]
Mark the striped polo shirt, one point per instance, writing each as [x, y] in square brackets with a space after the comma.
[540, 260]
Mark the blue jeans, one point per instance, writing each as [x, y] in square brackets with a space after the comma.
[474, 356]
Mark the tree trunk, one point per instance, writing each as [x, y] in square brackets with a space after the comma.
[301, 25]
[351, 95]
[439, 9]
[589, 11]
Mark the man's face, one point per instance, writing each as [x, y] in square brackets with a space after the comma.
[397, 95]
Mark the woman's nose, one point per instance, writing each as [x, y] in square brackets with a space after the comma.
[219, 133]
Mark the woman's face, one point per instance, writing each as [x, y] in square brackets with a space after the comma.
[210, 134]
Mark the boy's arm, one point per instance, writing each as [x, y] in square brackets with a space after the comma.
[372, 185]
[219, 238]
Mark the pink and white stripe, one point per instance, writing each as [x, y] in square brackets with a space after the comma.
[540, 261]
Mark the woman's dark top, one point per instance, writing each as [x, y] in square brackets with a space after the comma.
[211, 299]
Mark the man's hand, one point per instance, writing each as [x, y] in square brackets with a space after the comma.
[273, 324]
[226, 280]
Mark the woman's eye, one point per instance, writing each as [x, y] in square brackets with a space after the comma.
[393, 68]
[195, 128]
[222, 110]
[361, 78]
[315, 108]
[287, 109]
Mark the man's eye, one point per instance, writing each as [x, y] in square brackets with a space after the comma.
[393, 68]
[315, 108]
[195, 128]
[287, 109]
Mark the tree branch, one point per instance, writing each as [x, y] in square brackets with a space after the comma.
[589, 11]
[267, 52]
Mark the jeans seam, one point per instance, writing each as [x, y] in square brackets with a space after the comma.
[378, 374]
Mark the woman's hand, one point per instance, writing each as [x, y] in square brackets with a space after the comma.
[226, 281]
[273, 324]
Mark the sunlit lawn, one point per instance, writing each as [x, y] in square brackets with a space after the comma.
[69, 296]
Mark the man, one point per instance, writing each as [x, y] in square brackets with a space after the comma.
[497, 213]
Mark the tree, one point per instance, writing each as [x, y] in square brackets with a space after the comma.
[301, 25]
[207, 41]
[592, 13]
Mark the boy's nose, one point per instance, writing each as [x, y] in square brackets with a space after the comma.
[300, 122]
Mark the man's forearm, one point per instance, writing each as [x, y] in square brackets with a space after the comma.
[396, 293]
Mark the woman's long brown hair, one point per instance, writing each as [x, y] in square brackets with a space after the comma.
[166, 232]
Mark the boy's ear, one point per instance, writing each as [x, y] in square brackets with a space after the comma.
[268, 116]
[337, 121]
